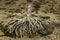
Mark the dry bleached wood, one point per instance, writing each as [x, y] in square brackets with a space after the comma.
[28, 26]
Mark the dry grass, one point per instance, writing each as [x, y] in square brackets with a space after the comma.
[8, 16]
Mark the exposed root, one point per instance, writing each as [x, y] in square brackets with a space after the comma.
[28, 26]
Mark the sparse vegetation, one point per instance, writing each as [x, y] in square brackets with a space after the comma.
[2, 8]
[18, 11]
[29, 0]
[7, 3]
[36, 6]
[45, 17]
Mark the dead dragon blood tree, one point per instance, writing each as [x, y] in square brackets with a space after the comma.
[28, 26]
